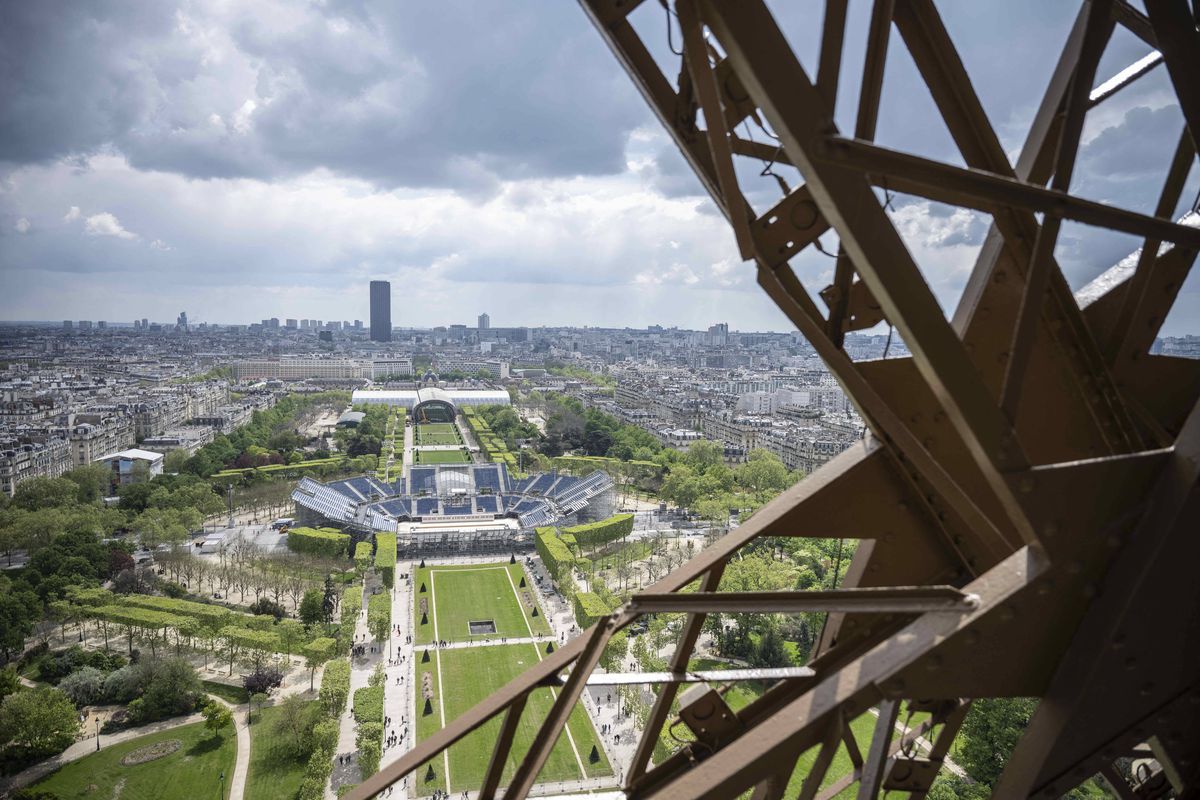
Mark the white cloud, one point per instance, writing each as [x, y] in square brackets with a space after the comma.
[22, 225]
[105, 224]
[72, 214]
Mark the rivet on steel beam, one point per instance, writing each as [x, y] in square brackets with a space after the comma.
[1131, 663]
[915, 419]
[896, 685]
[972, 636]
[1001, 276]
[933, 663]
[1146, 688]
[1118, 642]
[1051, 530]
[1028, 484]
[1002, 357]
[903, 506]
[1007, 614]
[889, 537]
[939, 416]
[927, 442]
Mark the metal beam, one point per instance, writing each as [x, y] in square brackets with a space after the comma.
[890, 600]
[988, 191]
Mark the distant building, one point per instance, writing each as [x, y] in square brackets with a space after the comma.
[325, 336]
[124, 463]
[68, 324]
[485, 322]
[181, 321]
[381, 311]
[291, 323]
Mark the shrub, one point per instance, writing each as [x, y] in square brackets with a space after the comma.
[368, 704]
[553, 552]
[362, 556]
[318, 541]
[84, 686]
[595, 534]
[173, 590]
[263, 680]
[170, 688]
[335, 686]
[124, 684]
[589, 608]
[385, 557]
[267, 606]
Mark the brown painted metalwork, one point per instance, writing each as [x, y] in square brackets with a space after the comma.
[1027, 504]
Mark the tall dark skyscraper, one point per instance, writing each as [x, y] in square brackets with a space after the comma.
[381, 311]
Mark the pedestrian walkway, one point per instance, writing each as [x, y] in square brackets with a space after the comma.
[241, 766]
[361, 668]
[399, 704]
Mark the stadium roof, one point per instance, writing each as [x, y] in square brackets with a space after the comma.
[409, 398]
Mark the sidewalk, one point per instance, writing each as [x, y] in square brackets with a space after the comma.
[361, 668]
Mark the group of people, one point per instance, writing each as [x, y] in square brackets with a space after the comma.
[395, 737]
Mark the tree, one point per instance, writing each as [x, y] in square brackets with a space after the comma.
[38, 721]
[84, 686]
[293, 725]
[257, 699]
[38, 493]
[316, 653]
[989, 734]
[176, 460]
[19, 610]
[263, 680]
[216, 715]
[171, 688]
[312, 607]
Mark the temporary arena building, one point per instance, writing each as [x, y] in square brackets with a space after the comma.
[412, 398]
[447, 494]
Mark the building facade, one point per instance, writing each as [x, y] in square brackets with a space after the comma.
[381, 311]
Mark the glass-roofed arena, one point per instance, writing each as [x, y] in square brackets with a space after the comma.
[476, 506]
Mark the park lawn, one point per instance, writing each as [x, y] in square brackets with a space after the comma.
[460, 594]
[472, 674]
[441, 457]
[273, 774]
[191, 771]
[228, 693]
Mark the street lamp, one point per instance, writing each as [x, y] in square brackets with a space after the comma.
[229, 499]
[97, 734]
[222, 784]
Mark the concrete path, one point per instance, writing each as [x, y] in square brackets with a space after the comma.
[361, 668]
[399, 703]
[241, 766]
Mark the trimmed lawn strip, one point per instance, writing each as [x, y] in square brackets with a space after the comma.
[471, 592]
[472, 674]
[230, 694]
[191, 771]
[272, 774]
[440, 457]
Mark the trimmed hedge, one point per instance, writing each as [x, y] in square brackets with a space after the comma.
[320, 541]
[137, 617]
[554, 553]
[211, 616]
[589, 608]
[368, 704]
[362, 556]
[335, 687]
[595, 534]
[385, 557]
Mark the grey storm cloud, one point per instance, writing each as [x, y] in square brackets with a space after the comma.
[454, 94]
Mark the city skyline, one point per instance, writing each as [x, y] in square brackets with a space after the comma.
[553, 196]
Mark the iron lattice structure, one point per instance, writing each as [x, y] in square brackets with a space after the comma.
[1027, 503]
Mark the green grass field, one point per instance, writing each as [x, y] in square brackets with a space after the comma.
[455, 596]
[191, 772]
[469, 675]
[441, 457]
[272, 773]
[464, 593]
[438, 433]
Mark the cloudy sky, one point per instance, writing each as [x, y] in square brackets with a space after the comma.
[248, 160]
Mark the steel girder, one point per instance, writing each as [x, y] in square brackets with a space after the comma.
[1028, 503]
